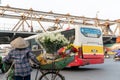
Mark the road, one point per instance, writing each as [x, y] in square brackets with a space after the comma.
[110, 70]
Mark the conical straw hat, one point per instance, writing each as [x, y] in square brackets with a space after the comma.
[19, 43]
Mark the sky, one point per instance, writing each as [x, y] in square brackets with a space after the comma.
[105, 9]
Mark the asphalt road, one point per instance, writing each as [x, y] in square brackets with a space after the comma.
[110, 70]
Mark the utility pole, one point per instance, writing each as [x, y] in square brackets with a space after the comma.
[97, 14]
[0, 2]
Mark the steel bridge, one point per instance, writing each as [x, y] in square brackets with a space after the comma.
[28, 19]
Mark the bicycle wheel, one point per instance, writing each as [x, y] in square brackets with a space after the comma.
[51, 76]
[10, 75]
[10, 78]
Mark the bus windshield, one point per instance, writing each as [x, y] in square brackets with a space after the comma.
[69, 34]
[90, 32]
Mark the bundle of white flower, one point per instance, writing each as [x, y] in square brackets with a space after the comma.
[52, 41]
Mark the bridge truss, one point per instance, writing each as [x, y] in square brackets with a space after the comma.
[27, 18]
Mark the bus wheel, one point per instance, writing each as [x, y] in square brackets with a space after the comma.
[74, 67]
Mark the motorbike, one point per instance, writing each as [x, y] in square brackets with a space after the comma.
[106, 55]
[117, 55]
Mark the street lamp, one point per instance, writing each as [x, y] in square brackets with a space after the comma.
[97, 14]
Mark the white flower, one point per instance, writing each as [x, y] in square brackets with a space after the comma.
[52, 41]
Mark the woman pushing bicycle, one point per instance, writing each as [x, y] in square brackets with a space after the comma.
[20, 55]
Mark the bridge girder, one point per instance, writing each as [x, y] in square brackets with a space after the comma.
[28, 16]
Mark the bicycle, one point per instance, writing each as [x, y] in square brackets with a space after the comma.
[49, 74]
[48, 71]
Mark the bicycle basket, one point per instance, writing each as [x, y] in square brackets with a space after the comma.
[59, 63]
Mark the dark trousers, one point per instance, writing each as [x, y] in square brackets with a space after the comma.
[22, 78]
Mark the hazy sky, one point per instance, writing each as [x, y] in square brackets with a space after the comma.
[108, 9]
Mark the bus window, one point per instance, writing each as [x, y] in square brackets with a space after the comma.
[69, 34]
[34, 47]
[33, 44]
[90, 32]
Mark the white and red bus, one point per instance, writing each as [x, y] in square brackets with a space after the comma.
[89, 41]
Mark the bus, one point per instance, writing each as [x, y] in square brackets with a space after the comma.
[89, 41]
